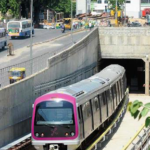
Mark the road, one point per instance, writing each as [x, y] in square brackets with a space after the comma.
[41, 52]
[39, 36]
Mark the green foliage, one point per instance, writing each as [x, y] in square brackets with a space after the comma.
[15, 8]
[64, 6]
[147, 122]
[137, 109]
[3, 6]
[112, 4]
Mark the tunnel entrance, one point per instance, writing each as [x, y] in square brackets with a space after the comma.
[135, 72]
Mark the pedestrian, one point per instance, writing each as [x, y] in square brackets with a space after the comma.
[10, 49]
[63, 28]
[90, 25]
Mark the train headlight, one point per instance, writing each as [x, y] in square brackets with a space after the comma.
[66, 134]
[37, 134]
[72, 133]
[42, 135]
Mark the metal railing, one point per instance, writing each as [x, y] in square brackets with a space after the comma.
[140, 140]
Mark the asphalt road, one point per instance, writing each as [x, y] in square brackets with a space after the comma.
[39, 36]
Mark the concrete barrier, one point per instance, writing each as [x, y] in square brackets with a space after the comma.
[78, 62]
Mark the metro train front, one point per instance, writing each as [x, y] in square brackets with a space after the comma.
[48, 115]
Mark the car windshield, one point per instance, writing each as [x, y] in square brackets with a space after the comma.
[16, 73]
[13, 25]
[67, 21]
[54, 113]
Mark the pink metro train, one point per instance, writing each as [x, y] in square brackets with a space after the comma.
[64, 118]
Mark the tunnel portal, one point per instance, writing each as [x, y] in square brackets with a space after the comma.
[135, 72]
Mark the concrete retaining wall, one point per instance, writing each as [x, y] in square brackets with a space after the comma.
[124, 42]
[16, 100]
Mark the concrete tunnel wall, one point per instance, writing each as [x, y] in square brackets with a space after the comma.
[124, 42]
[16, 100]
[127, 43]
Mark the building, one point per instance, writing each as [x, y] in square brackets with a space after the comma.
[99, 7]
[133, 8]
[145, 4]
[83, 6]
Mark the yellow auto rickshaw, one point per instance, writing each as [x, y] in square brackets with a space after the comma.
[68, 23]
[16, 74]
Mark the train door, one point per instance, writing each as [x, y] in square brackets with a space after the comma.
[81, 125]
[87, 116]
[103, 107]
[96, 112]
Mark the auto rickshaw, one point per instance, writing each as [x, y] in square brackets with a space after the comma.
[16, 74]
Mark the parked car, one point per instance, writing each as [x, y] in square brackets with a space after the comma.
[134, 24]
[51, 26]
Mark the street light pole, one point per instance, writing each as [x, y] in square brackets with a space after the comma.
[71, 24]
[31, 39]
[116, 13]
[125, 12]
[86, 13]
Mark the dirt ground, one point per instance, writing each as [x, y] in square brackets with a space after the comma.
[142, 21]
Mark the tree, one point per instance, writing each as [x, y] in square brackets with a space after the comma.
[15, 8]
[3, 6]
[139, 110]
[112, 4]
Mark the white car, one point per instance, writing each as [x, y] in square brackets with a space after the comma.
[48, 27]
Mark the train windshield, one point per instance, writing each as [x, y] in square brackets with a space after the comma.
[54, 113]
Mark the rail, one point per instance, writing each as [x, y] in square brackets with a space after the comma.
[19, 144]
[139, 140]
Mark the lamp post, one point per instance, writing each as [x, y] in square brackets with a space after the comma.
[116, 20]
[86, 15]
[124, 11]
[71, 24]
[31, 39]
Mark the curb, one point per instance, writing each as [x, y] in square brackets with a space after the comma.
[57, 37]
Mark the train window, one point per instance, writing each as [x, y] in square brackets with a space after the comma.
[108, 95]
[114, 94]
[86, 110]
[54, 113]
[103, 99]
[79, 115]
[95, 105]
[120, 92]
[106, 100]
[121, 85]
[124, 83]
[117, 90]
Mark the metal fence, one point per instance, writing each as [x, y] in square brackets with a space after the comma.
[38, 63]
